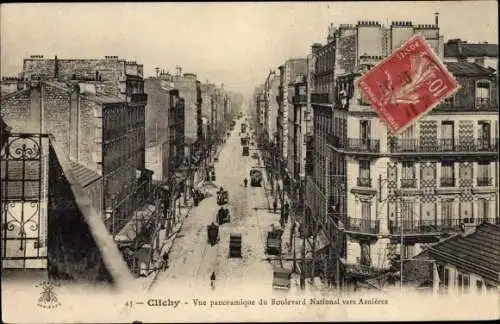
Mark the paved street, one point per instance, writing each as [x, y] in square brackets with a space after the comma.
[192, 259]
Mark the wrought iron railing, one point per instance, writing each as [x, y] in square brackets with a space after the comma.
[444, 145]
[367, 145]
[478, 105]
[436, 226]
[364, 182]
[362, 225]
[484, 181]
[24, 196]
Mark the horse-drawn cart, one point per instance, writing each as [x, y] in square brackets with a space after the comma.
[213, 234]
[222, 197]
[223, 216]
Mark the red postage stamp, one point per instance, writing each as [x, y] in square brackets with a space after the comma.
[408, 84]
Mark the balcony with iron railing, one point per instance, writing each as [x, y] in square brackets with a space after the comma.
[441, 146]
[437, 226]
[359, 225]
[320, 98]
[364, 182]
[355, 145]
[484, 181]
[481, 104]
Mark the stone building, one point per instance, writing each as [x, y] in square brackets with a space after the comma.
[176, 129]
[484, 54]
[383, 190]
[289, 72]
[157, 126]
[94, 108]
[186, 84]
[298, 119]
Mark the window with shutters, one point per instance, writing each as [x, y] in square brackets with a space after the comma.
[483, 173]
[482, 209]
[364, 179]
[408, 179]
[447, 174]
[447, 135]
[482, 93]
[484, 134]
[447, 212]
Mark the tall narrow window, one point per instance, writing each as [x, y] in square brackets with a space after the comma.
[483, 173]
[364, 130]
[447, 135]
[447, 174]
[408, 216]
[408, 141]
[447, 212]
[446, 277]
[482, 209]
[484, 134]
[364, 179]
[408, 177]
[482, 93]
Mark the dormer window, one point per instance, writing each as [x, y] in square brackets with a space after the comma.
[483, 89]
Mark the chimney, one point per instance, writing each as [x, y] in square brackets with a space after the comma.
[436, 17]
[56, 67]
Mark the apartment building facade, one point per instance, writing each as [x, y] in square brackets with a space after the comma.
[382, 188]
[289, 72]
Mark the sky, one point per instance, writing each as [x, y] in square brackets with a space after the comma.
[231, 43]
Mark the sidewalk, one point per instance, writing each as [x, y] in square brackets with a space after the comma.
[147, 282]
[312, 284]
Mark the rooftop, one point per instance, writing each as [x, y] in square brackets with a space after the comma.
[456, 48]
[84, 175]
[104, 99]
[477, 253]
[468, 69]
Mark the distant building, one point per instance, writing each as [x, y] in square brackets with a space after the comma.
[157, 126]
[9, 85]
[288, 74]
[484, 54]
[176, 129]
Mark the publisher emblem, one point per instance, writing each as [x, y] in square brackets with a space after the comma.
[48, 297]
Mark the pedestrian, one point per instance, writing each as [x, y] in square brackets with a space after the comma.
[275, 205]
[165, 261]
[212, 280]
